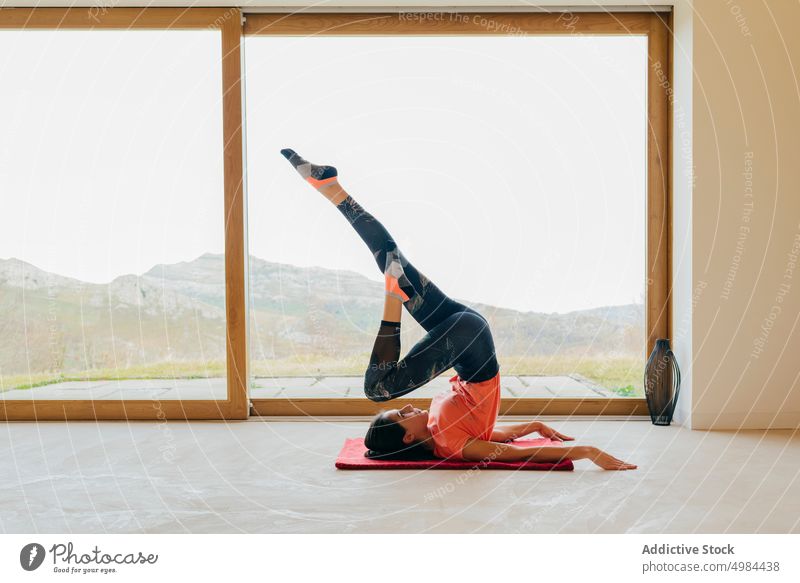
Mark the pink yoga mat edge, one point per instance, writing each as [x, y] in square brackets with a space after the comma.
[351, 457]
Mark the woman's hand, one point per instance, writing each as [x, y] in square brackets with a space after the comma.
[546, 431]
[608, 461]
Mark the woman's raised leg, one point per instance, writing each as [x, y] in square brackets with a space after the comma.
[426, 303]
[457, 336]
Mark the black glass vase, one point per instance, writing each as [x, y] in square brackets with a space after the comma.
[662, 383]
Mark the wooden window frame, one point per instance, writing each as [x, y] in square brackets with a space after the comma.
[656, 26]
[229, 22]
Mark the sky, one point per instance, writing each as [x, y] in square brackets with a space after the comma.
[510, 170]
[112, 160]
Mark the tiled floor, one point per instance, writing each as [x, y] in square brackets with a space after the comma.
[349, 387]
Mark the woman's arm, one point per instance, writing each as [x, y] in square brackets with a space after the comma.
[480, 450]
[511, 432]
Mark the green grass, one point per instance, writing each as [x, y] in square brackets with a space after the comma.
[10, 382]
[162, 370]
[622, 375]
[629, 391]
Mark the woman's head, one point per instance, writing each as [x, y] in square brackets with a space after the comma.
[398, 434]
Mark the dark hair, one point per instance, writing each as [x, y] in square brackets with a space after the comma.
[384, 441]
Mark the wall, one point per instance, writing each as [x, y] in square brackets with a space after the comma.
[682, 182]
[746, 207]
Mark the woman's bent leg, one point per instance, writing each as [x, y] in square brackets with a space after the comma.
[426, 303]
[462, 340]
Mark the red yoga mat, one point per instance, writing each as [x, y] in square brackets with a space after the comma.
[352, 458]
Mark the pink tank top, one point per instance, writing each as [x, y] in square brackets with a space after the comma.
[465, 411]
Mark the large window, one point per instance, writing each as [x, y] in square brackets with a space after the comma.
[113, 232]
[519, 159]
[511, 169]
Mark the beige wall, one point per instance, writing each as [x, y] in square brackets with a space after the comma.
[682, 185]
[746, 231]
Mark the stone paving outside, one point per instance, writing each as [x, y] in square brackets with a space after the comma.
[343, 387]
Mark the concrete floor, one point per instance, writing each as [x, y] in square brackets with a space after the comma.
[265, 476]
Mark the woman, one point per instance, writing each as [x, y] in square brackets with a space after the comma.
[461, 422]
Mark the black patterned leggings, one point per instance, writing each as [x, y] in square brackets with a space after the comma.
[457, 336]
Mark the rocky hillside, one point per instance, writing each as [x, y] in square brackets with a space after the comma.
[177, 312]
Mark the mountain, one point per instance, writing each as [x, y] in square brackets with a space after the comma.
[177, 312]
